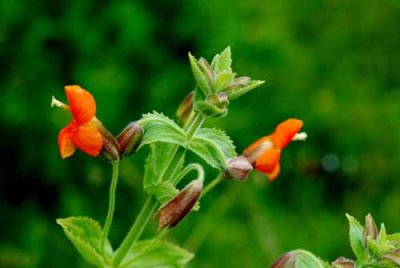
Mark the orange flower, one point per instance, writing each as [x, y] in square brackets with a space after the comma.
[81, 132]
[265, 153]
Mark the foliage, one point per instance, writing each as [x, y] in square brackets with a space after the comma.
[332, 63]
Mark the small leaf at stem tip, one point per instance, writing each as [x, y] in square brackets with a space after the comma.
[356, 237]
[201, 78]
[223, 61]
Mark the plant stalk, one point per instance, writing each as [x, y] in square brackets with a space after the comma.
[111, 205]
[151, 204]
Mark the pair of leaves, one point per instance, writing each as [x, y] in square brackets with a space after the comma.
[213, 145]
[86, 234]
[163, 134]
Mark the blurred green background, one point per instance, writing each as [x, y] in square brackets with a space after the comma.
[335, 64]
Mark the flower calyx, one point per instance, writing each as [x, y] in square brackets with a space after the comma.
[216, 78]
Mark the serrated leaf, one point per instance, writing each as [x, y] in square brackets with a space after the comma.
[305, 259]
[155, 163]
[356, 237]
[223, 61]
[159, 128]
[199, 76]
[85, 234]
[213, 146]
[394, 239]
[163, 191]
[156, 253]
[222, 80]
[243, 90]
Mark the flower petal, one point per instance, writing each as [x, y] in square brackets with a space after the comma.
[257, 148]
[65, 144]
[88, 139]
[272, 176]
[267, 162]
[285, 132]
[82, 103]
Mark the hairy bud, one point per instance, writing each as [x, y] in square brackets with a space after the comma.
[175, 210]
[185, 108]
[111, 150]
[370, 228]
[343, 262]
[238, 168]
[129, 139]
[286, 261]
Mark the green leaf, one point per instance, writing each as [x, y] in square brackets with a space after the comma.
[356, 237]
[159, 128]
[242, 90]
[156, 253]
[213, 146]
[86, 234]
[163, 191]
[155, 163]
[223, 61]
[394, 239]
[199, 76]
[222, 80]
[305, 259]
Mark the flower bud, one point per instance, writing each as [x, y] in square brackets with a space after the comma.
[215, 105]
[370, 228]
[175, 210]
[391, 257]
[111, 150]
[129, 139]
[286, 261]
[207, 70]
[237, 83]
[343, 262]
[185, 108]
[238, 168]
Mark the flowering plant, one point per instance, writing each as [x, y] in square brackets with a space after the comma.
[165, 168]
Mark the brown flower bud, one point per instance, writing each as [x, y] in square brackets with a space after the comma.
[111, 150]
[185, 108]
[237, 83]
[288, 260]
[207, 70]
[175, 210]
[343, 262]
[370, 228]
[392, 257]
[238, 168]
[129, 139]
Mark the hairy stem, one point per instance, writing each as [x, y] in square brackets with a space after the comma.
[111, 205]
[212, 184]
[151, 204]
[136, 230]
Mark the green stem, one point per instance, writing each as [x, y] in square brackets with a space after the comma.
[151, 203]
[111, 205]
[212, 184]
[136, 230]
[186, 170]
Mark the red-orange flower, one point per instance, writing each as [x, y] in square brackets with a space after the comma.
[81, 132]
[265, 153]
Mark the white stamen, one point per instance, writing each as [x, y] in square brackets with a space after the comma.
[57, 103]
[302, 136]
